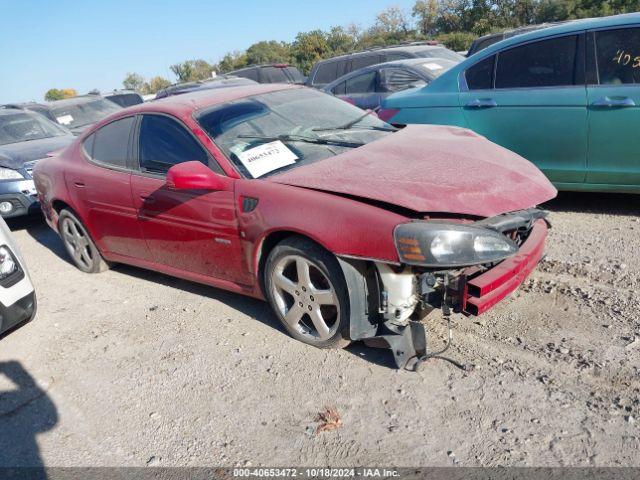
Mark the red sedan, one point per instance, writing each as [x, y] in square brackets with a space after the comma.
[349, 228]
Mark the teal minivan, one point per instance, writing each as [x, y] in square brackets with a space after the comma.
[567, 98]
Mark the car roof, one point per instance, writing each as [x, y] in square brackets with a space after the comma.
[410, 47]
[12, 110]
[262, 65]
[74, 100]
[562, 28]
[187, 103]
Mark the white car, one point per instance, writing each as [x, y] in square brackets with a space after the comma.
[17, 296]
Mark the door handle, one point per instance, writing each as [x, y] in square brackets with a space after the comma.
[79, 184]
[481, 103]
[147, 198]
[615, 102]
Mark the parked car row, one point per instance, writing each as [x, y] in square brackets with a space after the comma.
[354, 225]
[566, 98]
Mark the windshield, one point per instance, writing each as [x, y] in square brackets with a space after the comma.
[440, 52]
[269, 133]
[24, 126]
[77, 115]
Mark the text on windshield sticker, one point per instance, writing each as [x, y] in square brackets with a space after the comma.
[266, 158]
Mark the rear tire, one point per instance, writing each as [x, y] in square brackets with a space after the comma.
[308, 293]
[79, 245]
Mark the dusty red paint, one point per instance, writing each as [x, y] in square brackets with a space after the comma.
[431, 169]
[206, 237]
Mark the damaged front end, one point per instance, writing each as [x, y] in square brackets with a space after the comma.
[453, 267]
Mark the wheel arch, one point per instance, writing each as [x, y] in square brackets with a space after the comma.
[358, 274]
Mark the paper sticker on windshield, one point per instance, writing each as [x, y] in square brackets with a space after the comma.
[65, 119]
[433, 66]
[266, 158]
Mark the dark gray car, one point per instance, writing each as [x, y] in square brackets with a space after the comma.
[77, 113]
[367, 87]
[326, 71]
[25, 138]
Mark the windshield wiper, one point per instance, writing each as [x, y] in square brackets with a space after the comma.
[353, 123]
[299, 138]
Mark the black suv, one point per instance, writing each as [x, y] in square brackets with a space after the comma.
[271, 73]
[326, 71]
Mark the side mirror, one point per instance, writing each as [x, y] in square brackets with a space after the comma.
[195, 176]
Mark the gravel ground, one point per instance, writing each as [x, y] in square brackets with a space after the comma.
[134, 368]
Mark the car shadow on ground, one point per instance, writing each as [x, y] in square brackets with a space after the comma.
[25, 411]
[256, 309]
[586, 202]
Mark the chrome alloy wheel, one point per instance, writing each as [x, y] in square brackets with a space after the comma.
[305, 297]
[77, 242]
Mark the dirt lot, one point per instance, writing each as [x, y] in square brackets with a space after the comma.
[132, 368]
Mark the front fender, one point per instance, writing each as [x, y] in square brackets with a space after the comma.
[344, 226]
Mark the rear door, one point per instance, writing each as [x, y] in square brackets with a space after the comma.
[532, 99]
[104, 187]
[189, 230]
[614, 106]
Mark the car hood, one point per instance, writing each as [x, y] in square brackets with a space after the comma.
[430, 169]
[15, 155]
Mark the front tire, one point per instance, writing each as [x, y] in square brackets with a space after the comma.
[308, 293]
[83, 252]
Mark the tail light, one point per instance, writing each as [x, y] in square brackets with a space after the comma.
[386, 114]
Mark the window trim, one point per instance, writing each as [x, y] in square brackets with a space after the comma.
[462, 81]
[212, 163]
[594, 52]
[109, 166]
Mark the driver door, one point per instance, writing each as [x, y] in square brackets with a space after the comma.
[193, 231]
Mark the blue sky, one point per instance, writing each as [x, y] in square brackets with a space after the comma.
[93, 44]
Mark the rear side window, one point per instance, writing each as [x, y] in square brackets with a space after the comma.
[326, 73]
[392, 56]
[548, 63]
[618, 56]
[396, 79]
[251, 74]
[164, 143]
[480, 75]
[364, 61]
[110, 144]
[273, 75]
[364, 83]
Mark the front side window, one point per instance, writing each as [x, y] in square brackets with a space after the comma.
[480, 75]
[22, 126]
[110, 144]
[365, 83]
[618, 56]
[272, 132]
[164, 143]
[547, 63]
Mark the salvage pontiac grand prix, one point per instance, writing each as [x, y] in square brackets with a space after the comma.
[349, 228]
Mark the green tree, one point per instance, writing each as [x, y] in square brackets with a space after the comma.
[392, 20]
[308, 48]
[155, 84]
[268, 52]
[59, 94]
[192, 70]
[133, 81]
[232, 61]
[341, 41]
[426, 12]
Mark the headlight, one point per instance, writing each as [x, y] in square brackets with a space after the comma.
[8, 264]
[439, 244]
[10, 174]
